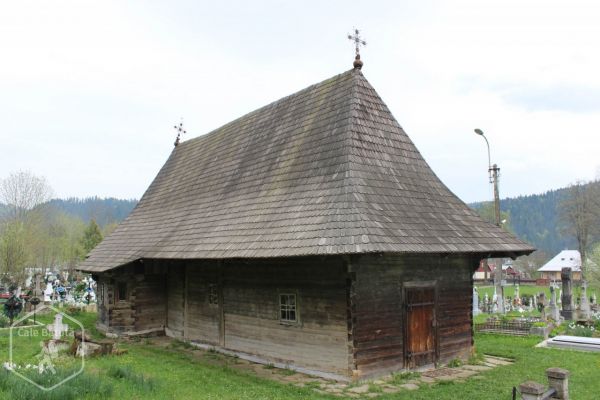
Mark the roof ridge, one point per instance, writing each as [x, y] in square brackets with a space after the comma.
[349, 180]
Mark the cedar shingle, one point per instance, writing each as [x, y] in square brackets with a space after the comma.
[327, 170]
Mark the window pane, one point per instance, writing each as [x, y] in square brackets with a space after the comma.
[287, 307]
[122, 291]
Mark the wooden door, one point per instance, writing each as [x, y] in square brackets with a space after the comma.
[420, 326]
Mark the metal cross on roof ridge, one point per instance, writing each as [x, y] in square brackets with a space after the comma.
[180, 131]
[357, 41]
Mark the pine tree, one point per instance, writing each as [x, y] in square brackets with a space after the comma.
[91, 236]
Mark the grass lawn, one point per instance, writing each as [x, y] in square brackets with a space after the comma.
[176, 372]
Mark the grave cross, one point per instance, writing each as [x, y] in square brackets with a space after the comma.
[57, 327]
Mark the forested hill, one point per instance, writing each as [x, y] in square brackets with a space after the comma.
[535, 219]
[104, 211]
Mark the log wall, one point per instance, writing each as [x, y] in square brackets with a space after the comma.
[252, 325]
[176, 301]
[246, 316]
[350, 309]
[202, 320]
[144, 306]
[377, 316]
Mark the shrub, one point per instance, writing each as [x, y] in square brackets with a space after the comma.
[475, 359]
[455, 363]
[4, 322]
[580, 330]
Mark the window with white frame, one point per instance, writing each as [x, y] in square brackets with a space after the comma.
[288, 311]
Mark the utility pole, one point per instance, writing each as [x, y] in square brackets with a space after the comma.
[494, 173]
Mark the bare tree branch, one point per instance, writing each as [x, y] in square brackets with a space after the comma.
[580, 215]
[22, 191]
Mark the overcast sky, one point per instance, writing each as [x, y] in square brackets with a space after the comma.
[90, 90]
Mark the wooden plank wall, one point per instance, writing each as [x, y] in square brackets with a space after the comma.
[251, 309]
[176, 300]
[150, 296]
[377, 315]
[145, 306]
[202, 320]
[103, 296]
[247, 316]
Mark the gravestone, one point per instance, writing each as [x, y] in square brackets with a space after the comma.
[37, 291]
[57, 327]
[553, 307]
[486, 303]
[584, 306]
[499, 292]
[567, 294]
[476, 310]
[542, 305]
[594, 298]
[48, 292]
[517, 299]
[508, 305]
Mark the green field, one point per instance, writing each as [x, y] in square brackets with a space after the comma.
[176, 371]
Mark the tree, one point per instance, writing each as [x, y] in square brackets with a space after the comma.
[487, 212]
[23, 194]
[13, 252]
[91, 237]
[593, 270]
[580, 215]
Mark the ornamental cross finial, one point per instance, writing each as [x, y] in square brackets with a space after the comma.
[180, 131]
[357, 42]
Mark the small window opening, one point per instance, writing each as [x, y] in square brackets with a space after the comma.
[122, 291]
[287, 307]
[213, 295]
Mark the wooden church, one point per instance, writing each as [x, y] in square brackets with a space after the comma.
[310, 232]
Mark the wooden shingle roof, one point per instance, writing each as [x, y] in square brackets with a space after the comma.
[327, 170]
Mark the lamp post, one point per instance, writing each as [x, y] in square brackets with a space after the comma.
[494, 172]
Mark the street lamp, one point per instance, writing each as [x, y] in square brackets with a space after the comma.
[494, 172]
